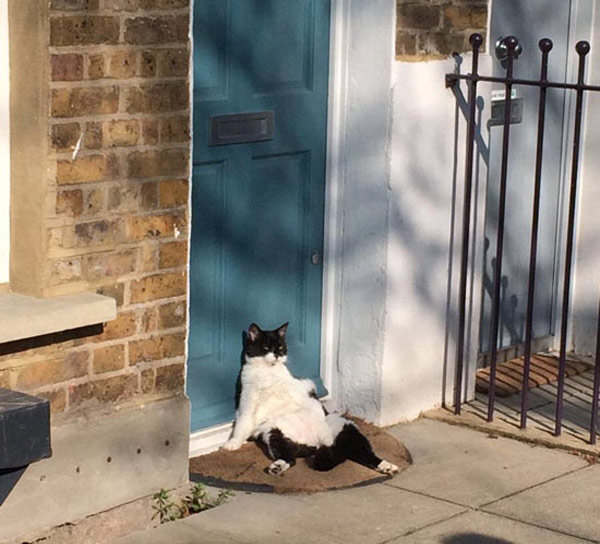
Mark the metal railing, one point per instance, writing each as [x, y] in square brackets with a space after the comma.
[512, 49]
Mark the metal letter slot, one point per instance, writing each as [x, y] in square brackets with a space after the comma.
[241, 128]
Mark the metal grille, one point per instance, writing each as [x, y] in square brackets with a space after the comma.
[512, 50]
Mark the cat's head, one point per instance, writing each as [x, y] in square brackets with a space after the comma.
[266, 346]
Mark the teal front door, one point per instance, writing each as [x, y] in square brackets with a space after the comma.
[258, 185]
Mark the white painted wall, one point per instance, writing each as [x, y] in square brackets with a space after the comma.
[420, 218]
[364, 202]
[424, 242]
[399, 253]
[4, 144]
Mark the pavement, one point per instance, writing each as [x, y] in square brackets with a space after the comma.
[465, 487]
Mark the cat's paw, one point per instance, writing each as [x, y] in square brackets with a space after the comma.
[232, 445]
[278, 467]
[385, 467]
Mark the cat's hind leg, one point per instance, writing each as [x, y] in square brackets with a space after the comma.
[281, 449]
[358, 448]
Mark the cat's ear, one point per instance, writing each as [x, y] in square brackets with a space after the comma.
[282, 330]
[253, 332]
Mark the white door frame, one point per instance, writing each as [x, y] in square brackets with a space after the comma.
[581, 28]
[212, 438]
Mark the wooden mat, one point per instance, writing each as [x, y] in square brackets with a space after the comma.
[244, 469]
[509, 375]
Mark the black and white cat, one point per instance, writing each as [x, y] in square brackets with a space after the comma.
[284, 413]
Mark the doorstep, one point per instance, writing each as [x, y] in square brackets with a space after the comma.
[540, 423]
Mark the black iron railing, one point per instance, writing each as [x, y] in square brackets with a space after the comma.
[509, 81]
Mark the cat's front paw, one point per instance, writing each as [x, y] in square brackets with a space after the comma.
[232, 445]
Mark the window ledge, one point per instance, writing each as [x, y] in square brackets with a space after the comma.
[26, 317]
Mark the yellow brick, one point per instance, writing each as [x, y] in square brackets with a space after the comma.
[87, 169]
[105, 391]
[124, 326]
[158, 286]
[40, 374]
[173, 254]
[156, 348]
[57, 398]
[155, 226]
[172, 315]
[109, 358]
[123, 133]
[170, 378]
[173, 193]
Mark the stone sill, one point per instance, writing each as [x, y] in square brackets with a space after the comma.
[27, 317]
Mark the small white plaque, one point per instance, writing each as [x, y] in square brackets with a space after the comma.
[500, 94]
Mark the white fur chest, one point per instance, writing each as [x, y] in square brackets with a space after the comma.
[271, 390]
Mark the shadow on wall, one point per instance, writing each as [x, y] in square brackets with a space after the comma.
[426, 192]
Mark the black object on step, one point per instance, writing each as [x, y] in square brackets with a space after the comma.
[24, 436]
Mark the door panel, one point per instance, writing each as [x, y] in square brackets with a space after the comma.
[257, 208]
[529, 22]
[274, 70]
[211, 36]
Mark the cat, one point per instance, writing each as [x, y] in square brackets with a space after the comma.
[284, 414]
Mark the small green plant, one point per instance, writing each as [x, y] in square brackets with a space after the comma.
[197, 500]
[165, 509]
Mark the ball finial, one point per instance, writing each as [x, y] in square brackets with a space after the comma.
[582, 48]
[511, 42]
[476, 40]
[545, 45]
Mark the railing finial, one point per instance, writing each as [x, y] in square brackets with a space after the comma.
[582, 48]
[545, 45]
[476, 40]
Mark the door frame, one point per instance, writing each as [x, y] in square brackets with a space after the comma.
[210, 439]
[581, 27]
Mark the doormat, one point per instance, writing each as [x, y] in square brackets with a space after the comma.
[509, 375]
[244, 469]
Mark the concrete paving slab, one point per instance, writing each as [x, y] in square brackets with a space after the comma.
[569, 504]
[176, 533]
[256, 517]
[481, 528]
[371, 514]
[471, 468]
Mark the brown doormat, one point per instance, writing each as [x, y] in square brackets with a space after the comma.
[509, 375]
[244, 469]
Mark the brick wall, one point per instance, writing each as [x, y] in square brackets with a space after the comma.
[116, 215]
[434, 29]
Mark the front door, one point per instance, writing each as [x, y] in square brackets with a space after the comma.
[258, 184]
[529, 21]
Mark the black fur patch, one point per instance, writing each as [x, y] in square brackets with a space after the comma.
[278, 446]
[351, 444]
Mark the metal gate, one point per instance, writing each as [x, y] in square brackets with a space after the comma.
[512, 50]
